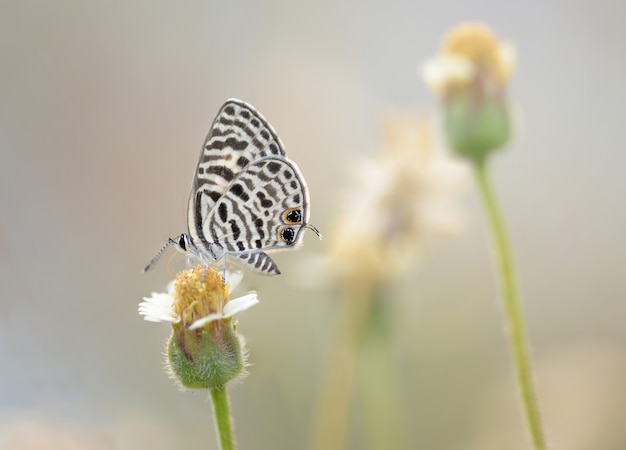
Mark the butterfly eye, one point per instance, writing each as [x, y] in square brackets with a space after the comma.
[182, 242]
[287, 235]
[293, 216]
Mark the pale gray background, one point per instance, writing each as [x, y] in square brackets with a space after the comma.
[103, 107]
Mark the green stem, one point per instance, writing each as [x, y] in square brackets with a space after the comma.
[512, 309]
[223, 422]
[384, 422]
[333, 410]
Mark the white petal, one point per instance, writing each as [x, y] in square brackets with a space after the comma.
[206, 319]
[158, 308]
[159, 298]
[440, 71]
[240, 304]
[508, 59]
[151, 318]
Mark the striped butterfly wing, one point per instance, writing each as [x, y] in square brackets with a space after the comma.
[239, 136]
[265, 208]
[247, 197]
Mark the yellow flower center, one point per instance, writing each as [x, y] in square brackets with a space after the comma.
[199, 292]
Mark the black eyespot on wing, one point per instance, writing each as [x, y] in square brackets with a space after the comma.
[287, 174]
[294, 216]
[296, 198]
[229, 110]
[287, 234]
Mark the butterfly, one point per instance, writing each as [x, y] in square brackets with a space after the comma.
[247, 197]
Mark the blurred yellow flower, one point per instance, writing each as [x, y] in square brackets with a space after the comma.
[399, 197]
[470, 53]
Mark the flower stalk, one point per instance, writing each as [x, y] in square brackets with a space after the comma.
[333, 409]
[361, 361]
[408, 193]
[384, 423]
[223, 421]
[514, 316]
[470, 75]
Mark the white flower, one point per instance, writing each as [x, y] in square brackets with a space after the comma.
[471, 52]
[408, 191]
[159, 307]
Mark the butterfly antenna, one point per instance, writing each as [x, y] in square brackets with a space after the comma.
[157, 256]
[314, 230]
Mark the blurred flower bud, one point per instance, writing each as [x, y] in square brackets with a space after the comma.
[470, 76]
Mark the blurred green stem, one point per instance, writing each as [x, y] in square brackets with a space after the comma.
[223, 422]
[333, 409]
[384, 421]
[362, 331]
[512, 308]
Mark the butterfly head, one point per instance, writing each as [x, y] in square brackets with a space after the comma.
[182, 243]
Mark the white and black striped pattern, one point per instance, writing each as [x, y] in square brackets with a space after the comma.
[247, 196]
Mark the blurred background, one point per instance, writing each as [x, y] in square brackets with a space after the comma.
[103, 109]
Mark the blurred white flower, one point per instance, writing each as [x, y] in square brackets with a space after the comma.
[407, 192]
[470, 54]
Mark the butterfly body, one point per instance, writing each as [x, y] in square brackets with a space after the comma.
[247, 197]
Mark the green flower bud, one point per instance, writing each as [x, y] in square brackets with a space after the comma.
[471, 75]
[211, 363]
[475, 127]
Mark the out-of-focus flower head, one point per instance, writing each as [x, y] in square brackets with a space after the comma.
[401, 196]
[470, 75]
